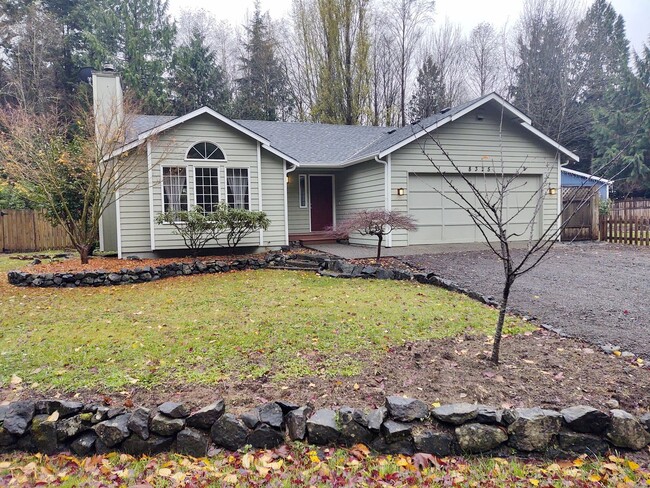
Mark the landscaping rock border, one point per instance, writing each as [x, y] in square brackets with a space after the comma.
[144, 274]
[402, 426]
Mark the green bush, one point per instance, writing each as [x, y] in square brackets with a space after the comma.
[237, 223]
[197, 227]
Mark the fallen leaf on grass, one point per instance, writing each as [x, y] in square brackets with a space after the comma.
[15, 380]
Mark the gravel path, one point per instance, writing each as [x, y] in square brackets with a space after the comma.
[595, 291]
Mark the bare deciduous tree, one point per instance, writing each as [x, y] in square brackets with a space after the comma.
[483, 59]
[378, 223]
[405, 21]
[72, 172]
[486, 198]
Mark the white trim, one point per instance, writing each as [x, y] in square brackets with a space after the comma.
[286, 172]
[333, 198]
[556, 145]
[225, 157]
[118, 223]
[259, 187]
[101, 231]
[266, 144]
[587, 176]
[558, 194]
[152, 220]
[389, 194]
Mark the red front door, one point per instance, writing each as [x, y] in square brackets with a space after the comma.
[322, 202]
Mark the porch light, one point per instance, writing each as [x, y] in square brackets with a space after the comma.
[401, 192]
[552, 190]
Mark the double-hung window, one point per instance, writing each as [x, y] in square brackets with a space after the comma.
[237, 188]
[174, 189]
[206, 182]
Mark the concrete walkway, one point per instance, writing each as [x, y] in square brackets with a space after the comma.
[347, 251]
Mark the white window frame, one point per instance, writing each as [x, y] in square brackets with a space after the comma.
[162, 183]
[248, 175]
[187, 151]
[302, 191]
[210, 167]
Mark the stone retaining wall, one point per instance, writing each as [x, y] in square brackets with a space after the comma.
[140, 274]
[402, 425]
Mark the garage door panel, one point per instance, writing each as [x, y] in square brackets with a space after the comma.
[443, 220]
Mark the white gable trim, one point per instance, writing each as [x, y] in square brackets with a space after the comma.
[142, 137]
[587, 176]
[526, 123]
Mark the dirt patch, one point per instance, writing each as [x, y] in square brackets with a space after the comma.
[387, 262]
[594, 291]
[539, 368]
[73, 265]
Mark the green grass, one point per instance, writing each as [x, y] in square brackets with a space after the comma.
[203, 329]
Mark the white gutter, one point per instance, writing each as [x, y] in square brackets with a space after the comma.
[286, 204]
[259, 187]
[388, 204]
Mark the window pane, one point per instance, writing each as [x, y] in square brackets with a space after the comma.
[207, 188]
[237, 183]
[302, 189]
[174, 190]
[206, 151]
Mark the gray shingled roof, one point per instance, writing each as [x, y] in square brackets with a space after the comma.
[144, 123]
[311, 143]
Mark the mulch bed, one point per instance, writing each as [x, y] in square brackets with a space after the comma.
[537, 369]
[387, 262]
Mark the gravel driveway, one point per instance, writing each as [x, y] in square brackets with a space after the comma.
[595, 291]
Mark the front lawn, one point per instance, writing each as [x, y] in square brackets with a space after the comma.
[201, 330]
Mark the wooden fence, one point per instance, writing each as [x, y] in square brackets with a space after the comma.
[580, 214]
[635, 231]
[631, 209]
[27, 230]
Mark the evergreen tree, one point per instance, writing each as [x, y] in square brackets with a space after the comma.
[621, 131]
[137, 36]
[262, 92]
[197, 80]
[429, 93]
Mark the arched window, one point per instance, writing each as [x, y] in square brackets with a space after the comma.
[203, 151]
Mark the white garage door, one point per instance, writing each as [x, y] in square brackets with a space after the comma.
[441, 221]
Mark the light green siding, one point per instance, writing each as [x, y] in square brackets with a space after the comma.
[169, 149]
[474, 143]
[109, 229]
[360, 187]
[298, 217]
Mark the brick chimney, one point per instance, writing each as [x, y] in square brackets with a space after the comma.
[108, 102]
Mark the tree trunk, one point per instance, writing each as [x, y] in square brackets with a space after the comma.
[380, 238]
[502, 316]
[84, 253]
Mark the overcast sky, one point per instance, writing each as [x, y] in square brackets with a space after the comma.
[467, 13]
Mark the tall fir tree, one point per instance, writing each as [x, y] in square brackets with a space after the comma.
[262, 92]
[621, 130]
[137, 36]
[196, 79]
[602, 61]
[429, 94]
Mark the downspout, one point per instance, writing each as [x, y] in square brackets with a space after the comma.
[259, 187]
[388, 204]
[286, 205]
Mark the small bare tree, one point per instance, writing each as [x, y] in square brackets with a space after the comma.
[72, 170]
[378, 223]
[484, 195]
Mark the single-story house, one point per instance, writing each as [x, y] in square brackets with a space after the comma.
[576, 179]
[308, 176]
